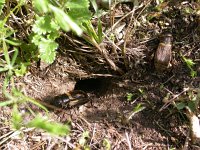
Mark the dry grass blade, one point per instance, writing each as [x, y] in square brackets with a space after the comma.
[8, 136]
[131, 28]
[101, 50]
[171, 100]
[128, 141]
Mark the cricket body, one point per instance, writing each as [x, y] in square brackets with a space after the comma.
[163, 55]
[70, 99]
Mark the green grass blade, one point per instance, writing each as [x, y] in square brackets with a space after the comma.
[14, 56]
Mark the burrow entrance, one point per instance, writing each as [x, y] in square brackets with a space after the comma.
[98, 86]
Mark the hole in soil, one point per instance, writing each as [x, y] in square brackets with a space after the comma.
[98, 86]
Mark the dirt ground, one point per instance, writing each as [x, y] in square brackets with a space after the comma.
[104, 116]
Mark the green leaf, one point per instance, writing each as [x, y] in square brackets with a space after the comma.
[3, 69]
[141, 91]
[14, 57]
[53, 35]
[6, 103]
[36, 39]
[17, 120]
[94, 5]
[189, 62]
[20, 97]
[89, 29]
[41, 5]
[106, 144]
[193, 73]
[79, 10]
[47, 49]
[65, 22]
[22, 2]
[192, 105]
[100, 31]
[188, 10]
[138, 108]
[86, 147]
[20, 72]
[51, 127]
[13, 42]
[180, 105]
[45, 25]
[30, 51]
[129, 96]
[2, 2]
[160, 1]
[85, 134]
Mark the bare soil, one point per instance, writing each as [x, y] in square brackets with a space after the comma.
[104, 116]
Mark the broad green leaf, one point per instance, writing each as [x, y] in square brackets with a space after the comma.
[41, 5]
[36, 39]
[65, 22]
[51, 127]
[45, 25]
[30, 51]
[47, 50]
[180, 105]
[192, 105]
[53, 35]
[79, 10]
